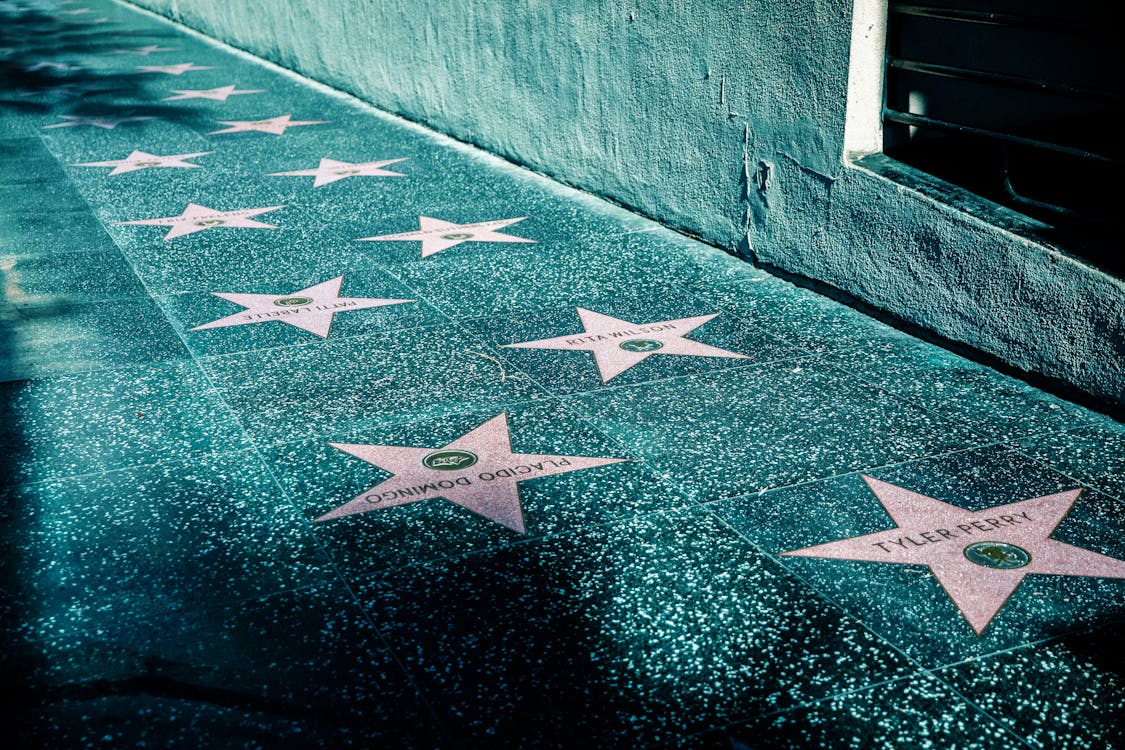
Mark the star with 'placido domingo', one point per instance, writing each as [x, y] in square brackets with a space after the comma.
[478, 471]
[141, 160]
[219, 94]
[311, 309]
[196, 218]
[330, 170]
[979, 557]
[619, 344]
[437, 235]
[272, 125]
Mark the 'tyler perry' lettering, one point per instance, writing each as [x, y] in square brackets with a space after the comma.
[962, 529]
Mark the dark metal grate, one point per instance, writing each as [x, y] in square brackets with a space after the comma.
[1020, 102]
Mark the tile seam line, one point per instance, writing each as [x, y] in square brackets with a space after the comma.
[929, 672]
[253, 449]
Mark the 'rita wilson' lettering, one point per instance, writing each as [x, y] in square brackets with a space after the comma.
[922, 538]
[620, 334]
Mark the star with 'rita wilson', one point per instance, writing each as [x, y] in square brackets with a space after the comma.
[331, 170]
[142, 160]
[979, 557]
[620, 344]
[273, 125]
[196, 218]
[219, 94]
[437, 235]
[478, 471]
[311, 309]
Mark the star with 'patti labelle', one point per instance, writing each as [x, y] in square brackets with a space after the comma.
[141, 160]
[106, 123]
[173, 70]
[979, 557]
[331, 170]
[197, 218]
[478, 471]
[219, 94]
[437, 235]
[619, 344]
[310, 309]
[273, 125]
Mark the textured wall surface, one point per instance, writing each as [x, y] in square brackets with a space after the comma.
[722, 119]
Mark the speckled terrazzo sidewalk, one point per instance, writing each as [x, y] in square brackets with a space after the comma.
[320, 430]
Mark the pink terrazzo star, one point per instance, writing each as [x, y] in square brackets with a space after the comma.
[979, 557]
[310, 309]
[104, 122]
[273, 125]
[196, 218]
[219, 94]
[141, 160]
[173, 70]
[143, 51]
[477, 471]
[618, 344]
[330, 170]
[437, 235]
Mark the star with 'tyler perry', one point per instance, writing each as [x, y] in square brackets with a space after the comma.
[197, 218]
[274, 125]
[330, 170]
[173, 70]
[979, 557]
[141, 160]
[478, 471]
[310, 309]
[437, 235]
[104, 122]
[219, 94]
[619, 344]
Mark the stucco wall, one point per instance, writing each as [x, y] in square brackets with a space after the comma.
[722, 119]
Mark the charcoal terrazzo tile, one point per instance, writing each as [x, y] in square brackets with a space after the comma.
[199, 308]
[577, 370]
[39, 340]
[510, 278]
[74, 276]
[997, 406]
[299, 392]
[799, 316]
[1094, 454]
[640, 632]
[907, 604]
[319, 478]
[1064, 693]
[85, 552]
[51, 232]
[112, 419]
[299, 669]
[742, 430]
[914, 712]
